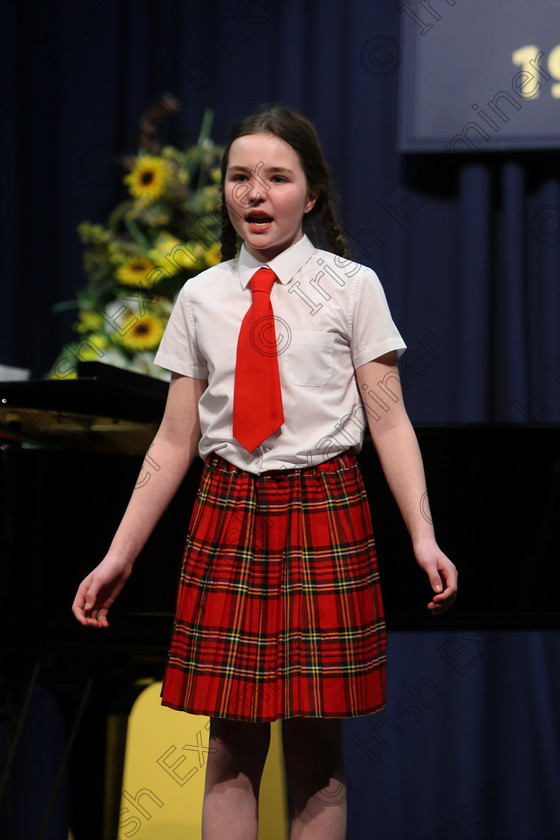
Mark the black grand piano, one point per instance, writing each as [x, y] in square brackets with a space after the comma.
[71, 452]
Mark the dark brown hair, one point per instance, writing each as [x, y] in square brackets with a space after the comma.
[298, 132]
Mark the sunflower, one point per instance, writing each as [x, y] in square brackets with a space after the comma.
[148, 179]
[134, 272]
[164, 243]
[89, 320]
[99, 340]
[174, 256]
[144, 334]
[91, 350]
[188, 255]
[213, 254]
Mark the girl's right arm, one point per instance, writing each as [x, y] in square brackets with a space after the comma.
[172, 452]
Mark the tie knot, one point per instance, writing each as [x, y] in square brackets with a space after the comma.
[262, 280]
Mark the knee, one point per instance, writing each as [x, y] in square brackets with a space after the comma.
[237, 747]
[313, 751]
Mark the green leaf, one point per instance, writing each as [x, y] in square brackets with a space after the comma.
[206, 127]
[118, 214]
[64, 306]
[139, 237]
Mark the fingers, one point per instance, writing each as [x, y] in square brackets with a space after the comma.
[78, 605]
[98, 590]
[86, 607]
[442, 575]
[435, 582]
[444, 584]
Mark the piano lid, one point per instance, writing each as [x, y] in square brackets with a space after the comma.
[105, 408]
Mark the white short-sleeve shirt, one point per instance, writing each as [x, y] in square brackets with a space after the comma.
[331, 316]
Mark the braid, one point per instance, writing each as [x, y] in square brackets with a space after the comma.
[228, 238]
[333, 233]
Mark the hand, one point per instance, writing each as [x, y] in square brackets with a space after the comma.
[442, 574]
[98, 590]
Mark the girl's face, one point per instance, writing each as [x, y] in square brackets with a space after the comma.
[266, 193]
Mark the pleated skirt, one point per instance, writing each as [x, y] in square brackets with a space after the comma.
[279, 610]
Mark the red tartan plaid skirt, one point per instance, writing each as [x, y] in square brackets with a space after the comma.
[279, 610]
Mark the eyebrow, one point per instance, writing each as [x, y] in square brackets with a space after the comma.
[271, 169]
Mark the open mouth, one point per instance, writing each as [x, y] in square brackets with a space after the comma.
[258, 219]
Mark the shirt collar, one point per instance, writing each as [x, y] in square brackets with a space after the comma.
[285, 265]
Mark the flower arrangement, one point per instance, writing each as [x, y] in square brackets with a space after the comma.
[166, 231]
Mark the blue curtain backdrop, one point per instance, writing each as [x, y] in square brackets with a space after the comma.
[463, 245]
[468, 745]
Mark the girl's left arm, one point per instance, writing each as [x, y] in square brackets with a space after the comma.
[399, 454]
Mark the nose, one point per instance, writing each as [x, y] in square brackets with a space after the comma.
[254, 195]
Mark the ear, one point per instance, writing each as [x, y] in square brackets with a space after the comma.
[311, 200]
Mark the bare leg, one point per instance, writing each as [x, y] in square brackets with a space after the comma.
[315, 775]
[235, 763]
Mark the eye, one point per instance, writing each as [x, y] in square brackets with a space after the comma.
[238, 176]
[278, 179]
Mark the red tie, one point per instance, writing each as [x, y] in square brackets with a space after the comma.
[257, 398]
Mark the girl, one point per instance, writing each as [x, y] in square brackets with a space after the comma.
[279, 612]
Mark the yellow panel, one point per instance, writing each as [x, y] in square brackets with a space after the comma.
[164, 770]
[273, 809]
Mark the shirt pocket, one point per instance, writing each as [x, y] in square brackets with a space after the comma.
[309, 358]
